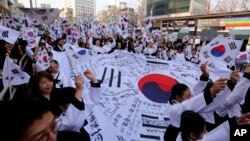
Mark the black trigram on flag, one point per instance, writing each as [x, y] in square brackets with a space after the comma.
[5, 34]
[206, 54]
[228, 59]
[114, 79]
[232, 46]
[11, 78]
[45, 18]
[152, 124]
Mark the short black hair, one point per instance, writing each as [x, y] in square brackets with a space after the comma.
[35, 82]
[177, 90]
[42, 43]
[50, 53]
[18, 115]
[55, 61]
[245, 108]
[59, 39]
[192, 122]
[22, 42]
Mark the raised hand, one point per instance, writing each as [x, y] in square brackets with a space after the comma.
[79, 82]
[244, 119]
[204, 70]
[218, 86]
[235, 76]
[89, 74]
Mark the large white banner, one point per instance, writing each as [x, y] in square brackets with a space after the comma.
[134, 95]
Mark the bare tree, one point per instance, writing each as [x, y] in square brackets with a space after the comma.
[223, 6]
[245, 5]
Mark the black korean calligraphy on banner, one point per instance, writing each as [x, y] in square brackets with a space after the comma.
[126, 112]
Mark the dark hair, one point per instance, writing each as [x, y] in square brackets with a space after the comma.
[55, 61]
[177, 90]
[18, 115]
[192, 122]
[3, 42]
[59, 39]
[194, 49]
[37, 78]
[42, 43]
[22, 42]
[94, 41]
[50, 53]
[245, 108]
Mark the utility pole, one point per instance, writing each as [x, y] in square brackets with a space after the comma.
[140, 13]
[115, 11]
[31, 5]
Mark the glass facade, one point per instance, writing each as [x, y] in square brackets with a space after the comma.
[164, 7]
[178, 6]
[201, 1]
[160, 7]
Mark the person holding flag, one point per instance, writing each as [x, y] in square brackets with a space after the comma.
[8, 40]
[11, 49]
[149, 22]
[12, 75]
[97, 48]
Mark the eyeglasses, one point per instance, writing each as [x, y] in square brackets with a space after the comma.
[54, 127]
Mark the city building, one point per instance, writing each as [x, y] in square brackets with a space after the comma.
[8, 6]
[131, 15]
[175, 8]
[101, 16]
[115, 11]
[45, 5]
[80, 8]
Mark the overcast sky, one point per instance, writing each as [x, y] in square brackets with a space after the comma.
[100, 4]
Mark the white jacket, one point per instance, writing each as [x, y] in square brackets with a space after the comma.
[94, 48]
[73, 119]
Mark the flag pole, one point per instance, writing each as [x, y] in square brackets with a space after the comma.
[9, 79]
[248, 57]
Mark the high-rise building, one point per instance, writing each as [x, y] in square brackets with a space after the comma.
[173, 8]
[8, 6]
[81, 7]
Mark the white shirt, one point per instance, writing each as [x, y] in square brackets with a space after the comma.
[96, 49]
[179, 57]
[150, 50]
[109, 46]
[61, 81]
[139, 49]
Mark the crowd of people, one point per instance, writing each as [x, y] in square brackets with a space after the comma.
[47, 109]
